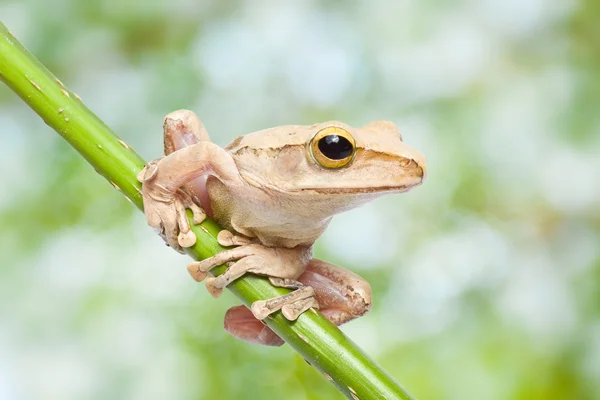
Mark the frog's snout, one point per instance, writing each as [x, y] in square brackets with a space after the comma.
[414, 167]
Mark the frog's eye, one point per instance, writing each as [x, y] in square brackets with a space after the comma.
[333, 147]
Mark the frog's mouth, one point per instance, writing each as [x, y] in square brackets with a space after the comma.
[385, 187]
[367, 190]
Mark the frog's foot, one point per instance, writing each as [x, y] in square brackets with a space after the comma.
[341, 294]
[165, 211]
[254, 258]
[246, 324]
[291, 305]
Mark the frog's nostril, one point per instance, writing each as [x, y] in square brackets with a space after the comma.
[405, 162]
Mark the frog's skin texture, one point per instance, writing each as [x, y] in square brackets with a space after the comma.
[275, 191]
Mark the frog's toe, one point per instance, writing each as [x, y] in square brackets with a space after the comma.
[295, 303]
[171, 233]
[292, 311]
[199, 214]
[178, 229]
[213, 287]
[182, 220]
[196, 271]
[186, 239]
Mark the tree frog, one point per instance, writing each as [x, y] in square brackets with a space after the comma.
[275, 191]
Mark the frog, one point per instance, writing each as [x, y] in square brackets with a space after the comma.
[274, 192]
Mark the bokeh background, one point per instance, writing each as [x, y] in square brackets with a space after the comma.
[486, 279]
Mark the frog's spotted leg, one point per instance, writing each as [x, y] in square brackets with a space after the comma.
[341, 294]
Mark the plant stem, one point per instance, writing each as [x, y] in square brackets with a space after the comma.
[321, 343]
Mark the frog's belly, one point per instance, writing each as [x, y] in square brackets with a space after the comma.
[257, 217]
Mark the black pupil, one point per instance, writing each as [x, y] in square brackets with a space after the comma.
[335, 147]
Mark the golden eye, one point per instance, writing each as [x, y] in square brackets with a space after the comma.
[333, 147]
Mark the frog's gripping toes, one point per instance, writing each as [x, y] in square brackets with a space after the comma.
[281, 265]
[166, 212]
[291, 305]
[278, 189]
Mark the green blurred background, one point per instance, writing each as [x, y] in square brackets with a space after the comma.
[486, 279]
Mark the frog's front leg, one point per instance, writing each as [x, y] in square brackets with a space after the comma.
[342, 296]
[283, 266]
[164, 181]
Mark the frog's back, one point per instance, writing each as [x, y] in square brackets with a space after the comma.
[273, 138]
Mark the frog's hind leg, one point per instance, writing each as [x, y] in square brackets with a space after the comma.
[247, 324]
[341, 294]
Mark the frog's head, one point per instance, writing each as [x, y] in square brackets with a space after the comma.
[331, 160]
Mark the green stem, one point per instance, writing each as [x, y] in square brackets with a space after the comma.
[321, 343]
